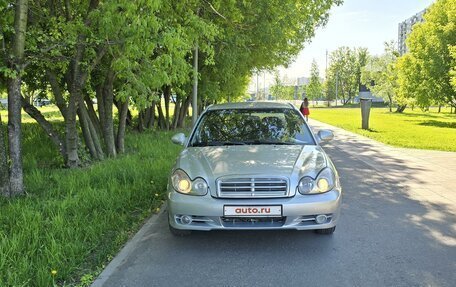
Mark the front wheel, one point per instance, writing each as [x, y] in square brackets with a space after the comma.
[326, 230]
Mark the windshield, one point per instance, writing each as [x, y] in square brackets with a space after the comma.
[251, 126]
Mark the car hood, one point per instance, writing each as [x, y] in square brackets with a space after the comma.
[291, 161]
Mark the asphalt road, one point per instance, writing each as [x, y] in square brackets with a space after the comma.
[387, 236]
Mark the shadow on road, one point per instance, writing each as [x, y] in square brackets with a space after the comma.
[385, 237]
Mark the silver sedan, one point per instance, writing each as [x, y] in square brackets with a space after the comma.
[252, 166]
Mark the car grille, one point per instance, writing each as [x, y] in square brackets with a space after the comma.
[252, 187]
[253, 222]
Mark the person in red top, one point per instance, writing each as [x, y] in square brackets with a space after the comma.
[305, 109]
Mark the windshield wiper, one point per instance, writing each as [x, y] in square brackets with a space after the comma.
[218, 143]
[269, 142]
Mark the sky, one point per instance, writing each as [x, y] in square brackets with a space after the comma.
[356, 23]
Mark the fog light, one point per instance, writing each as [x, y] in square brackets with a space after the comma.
[321, 219]
[185, 219]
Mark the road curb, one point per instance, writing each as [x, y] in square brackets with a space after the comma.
[129, 247]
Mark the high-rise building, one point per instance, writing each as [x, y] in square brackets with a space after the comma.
[405, 28]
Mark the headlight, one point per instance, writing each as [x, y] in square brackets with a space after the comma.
[183, 184]
[306, 185]
[324, 182]
[199, 186]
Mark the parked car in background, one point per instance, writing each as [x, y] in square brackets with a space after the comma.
[253, 165]
[41, 102]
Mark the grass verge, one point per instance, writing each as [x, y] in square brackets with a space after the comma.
[74, 221]
[411, 129]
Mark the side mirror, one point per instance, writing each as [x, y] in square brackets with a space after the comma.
[179, 139]
[325, 135]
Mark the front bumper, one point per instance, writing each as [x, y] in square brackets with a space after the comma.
[298, 212]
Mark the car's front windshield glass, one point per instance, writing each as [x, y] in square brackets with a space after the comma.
[251, 127]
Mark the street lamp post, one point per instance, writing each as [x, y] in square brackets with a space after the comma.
[337, 84]
[195, 86]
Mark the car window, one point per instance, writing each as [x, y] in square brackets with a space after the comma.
[251, 126]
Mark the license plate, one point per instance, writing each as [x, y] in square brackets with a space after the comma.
[253, 211]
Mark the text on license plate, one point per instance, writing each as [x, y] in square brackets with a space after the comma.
[257, 210]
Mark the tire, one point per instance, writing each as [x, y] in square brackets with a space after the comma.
[179, 232]
[327, 231]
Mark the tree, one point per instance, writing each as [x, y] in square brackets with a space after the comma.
[429, 59]
[119, 52]
[13, 71]
[280, 90]
[314, 90]
[140, 53]
[380, 74]
[257, 35]
[345, 68]
[453, 65]
[4, 170]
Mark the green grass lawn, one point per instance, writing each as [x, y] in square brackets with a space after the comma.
[411, 129]
[74, 221]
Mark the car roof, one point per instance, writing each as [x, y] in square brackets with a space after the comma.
[250, 105]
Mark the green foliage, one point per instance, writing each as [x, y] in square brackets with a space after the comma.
[410, 81]
[73, 220]
[257, 35]
[453, 65]
[149, 43]
[380, 74]
[280, 91]
[426, 70]
[314, 90]
[345, 68]
[6, 33]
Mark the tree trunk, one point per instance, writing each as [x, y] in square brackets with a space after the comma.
[89, 131]
[440, 108]
[390, 103]
[400, 108]
[14, 100]
[176, 113]
[95, 136]
[71, 134]
[152, 116]
[183, 112]
[140, 126]
[148, 117]
[4, 170]
[14, 136]
[166, 97]
[45, 125]
[108, 125]
[129, 118]
[57, 91]
[348, 98]
[93, 114]
[88, 140]
[122, 125]
[161, 118]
